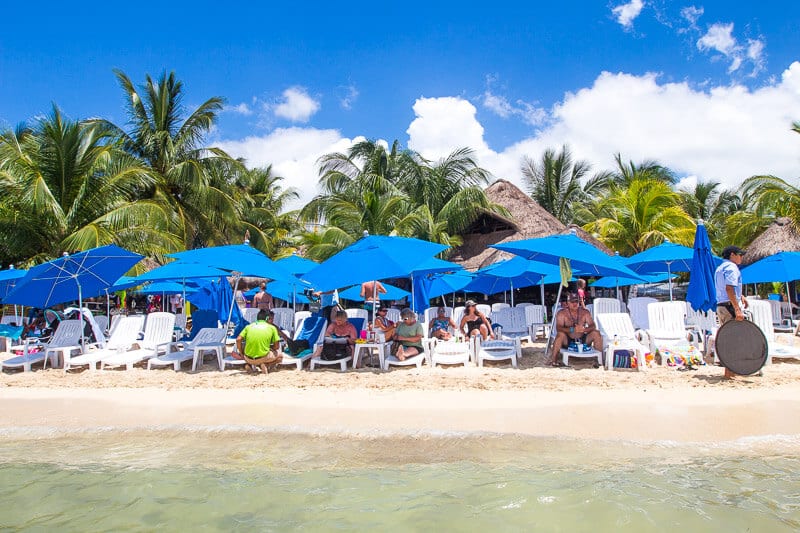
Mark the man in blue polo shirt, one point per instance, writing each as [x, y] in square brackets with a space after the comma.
[728, 282]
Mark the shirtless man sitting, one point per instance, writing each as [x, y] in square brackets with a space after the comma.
[574, 323]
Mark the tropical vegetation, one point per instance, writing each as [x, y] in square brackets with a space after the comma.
[154, 185]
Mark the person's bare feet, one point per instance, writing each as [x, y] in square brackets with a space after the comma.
[729, 374]
[401, 356]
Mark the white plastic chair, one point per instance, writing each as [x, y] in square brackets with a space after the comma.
[534, 318]
[415, 360]
[102, 322]
[512, 322]
[284, 318]
[485, 309]
[298, 361]
[125, 334]
[761, 313]
[667, 325]
[452, 352]
[299, 317]
[780, 324]
[207, 340]
[66, 339]
[499, 305]
[618, 333]
[637, 307]
[250, 314]
[498, 350]
[393, 315]
[605, 305]
[157, 336]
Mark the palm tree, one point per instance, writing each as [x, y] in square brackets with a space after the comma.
[261, 203]
[393, 191]
[555, 182]
[68, 187]
[642, 214]
[171, 148]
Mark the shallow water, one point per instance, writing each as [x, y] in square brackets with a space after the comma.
[242, 479]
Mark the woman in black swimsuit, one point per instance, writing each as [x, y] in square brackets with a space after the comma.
[476, 322]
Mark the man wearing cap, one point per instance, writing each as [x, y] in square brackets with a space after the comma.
[574, 323]
[728, 282]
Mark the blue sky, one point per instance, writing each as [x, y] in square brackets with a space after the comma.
[707, 88]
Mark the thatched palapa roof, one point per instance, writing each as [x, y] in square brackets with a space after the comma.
[528, 220]
[781, 236]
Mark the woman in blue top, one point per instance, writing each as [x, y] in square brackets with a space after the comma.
[440, 326]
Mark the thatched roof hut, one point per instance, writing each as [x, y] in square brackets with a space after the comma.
[528, 220]
[781, 236]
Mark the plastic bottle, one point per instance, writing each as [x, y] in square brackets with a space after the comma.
[616, 340]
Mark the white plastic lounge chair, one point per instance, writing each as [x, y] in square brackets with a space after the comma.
[494, 350]
[299, 316]
[485, 309]
[102, 323]
[394, 315]
[534, 318]
[590, 354]
[157, 336]
[207, 340]
[668, 326]
[358, 313]
[126, 333]
[618, 333]
[761, 313]
[638, 311]
[284, 318]
[499, 305]
[65, 339]
[513, 323]
[605, 305]
[250, 314]
[452, 352]
[299, 361]
[780, 324]
[342, 362]
[388, 360]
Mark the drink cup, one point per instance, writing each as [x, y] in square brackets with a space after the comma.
[363, 335]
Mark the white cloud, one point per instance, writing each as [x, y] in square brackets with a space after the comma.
[293, 154]
[241, 109]
[725, 134]
[719, 37]
[627, 13]
[297, 105]
[349, 98]
[500, 106]
[691, 14]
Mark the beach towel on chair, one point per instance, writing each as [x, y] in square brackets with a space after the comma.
[312, 327]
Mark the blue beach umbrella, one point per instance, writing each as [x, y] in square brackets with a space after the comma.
[392, 293]
[609, 282]
[515, 273]
[238, 259]
[666, 257]
[73, 277]
[285, 291]
[441, 283]
[180, 271]
[583, 257]
[296, 265]
[781, 267]
[702, 295]
[372, 257]
[9, 279]
[166, 287]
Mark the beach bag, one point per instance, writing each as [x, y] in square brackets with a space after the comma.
[333, 351]
[624, 359]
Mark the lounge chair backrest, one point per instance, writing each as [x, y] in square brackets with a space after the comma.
[284, 318]
[513, 320]
[11, 319]
[761, 314]
[667, 317]
[102, 322]
[126, 332]
[499, 305]
[433, 312]
[250, 314]
[534, 314]
[115, 319]
[615, 324]
[523, 304]
[393, 315]
[485, 309]
[299, 316]
[638, 311]
[605, 305]
[68, 333]
[311, 328]
[357, 313]
[158, 329]
[703, 321]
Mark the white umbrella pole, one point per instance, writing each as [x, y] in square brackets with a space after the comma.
[789, 299]
[512, 294]
[544, 305]
[669, 278]
[233, 300]
[551, 338]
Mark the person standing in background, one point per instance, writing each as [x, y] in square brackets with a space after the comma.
[728, 283]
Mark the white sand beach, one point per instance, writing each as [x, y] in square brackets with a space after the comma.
[582, 402]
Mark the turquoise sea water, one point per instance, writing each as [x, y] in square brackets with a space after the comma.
[248, 480]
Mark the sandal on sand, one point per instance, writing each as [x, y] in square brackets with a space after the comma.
[558, 364]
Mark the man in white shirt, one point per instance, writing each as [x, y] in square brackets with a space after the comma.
[728, 284]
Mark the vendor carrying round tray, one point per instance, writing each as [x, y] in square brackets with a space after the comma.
[741, 347]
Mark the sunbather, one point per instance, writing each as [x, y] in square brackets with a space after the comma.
[384, 325]
[439, 327]
[574, 324]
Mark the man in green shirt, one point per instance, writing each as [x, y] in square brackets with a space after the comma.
[261, 344]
